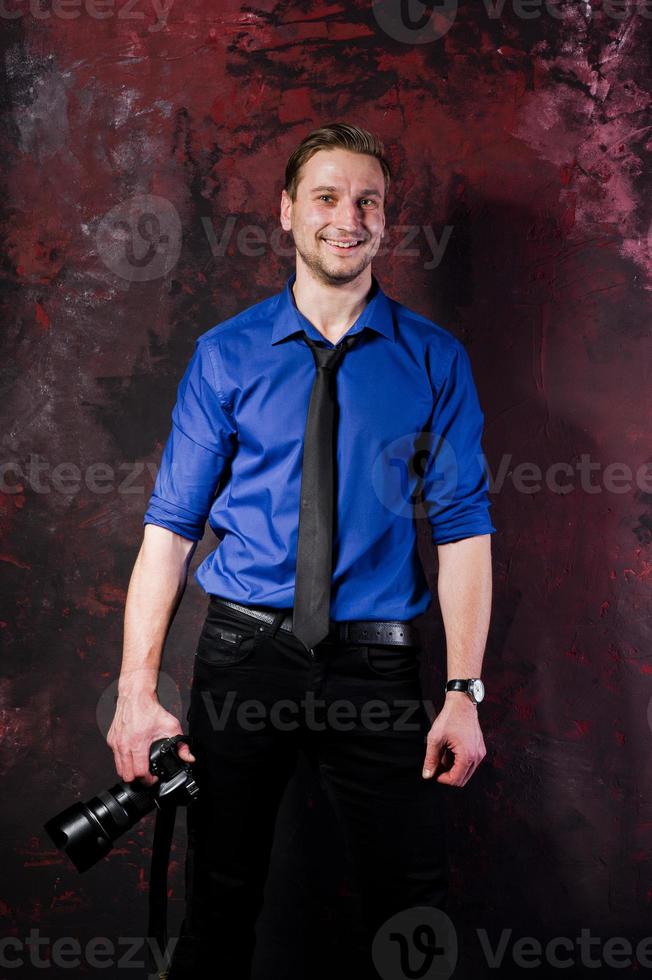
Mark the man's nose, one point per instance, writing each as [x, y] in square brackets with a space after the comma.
[347, 217]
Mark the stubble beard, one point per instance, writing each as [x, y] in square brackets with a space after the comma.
[332, 276]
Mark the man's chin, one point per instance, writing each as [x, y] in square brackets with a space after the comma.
[337, 274]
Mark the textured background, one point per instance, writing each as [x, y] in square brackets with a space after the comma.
[138, 148]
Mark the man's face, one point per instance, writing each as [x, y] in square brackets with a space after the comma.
[340, 199]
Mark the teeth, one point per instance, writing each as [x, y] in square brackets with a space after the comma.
[341, 244]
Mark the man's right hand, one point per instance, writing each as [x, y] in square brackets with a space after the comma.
[139, 720]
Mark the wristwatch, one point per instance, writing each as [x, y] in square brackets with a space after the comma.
[472, 686]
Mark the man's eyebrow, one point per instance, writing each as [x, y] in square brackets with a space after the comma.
[367, 192]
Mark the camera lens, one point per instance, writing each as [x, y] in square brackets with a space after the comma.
[86, 831]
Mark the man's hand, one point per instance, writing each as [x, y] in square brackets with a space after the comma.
[139, 720]
[455, 731]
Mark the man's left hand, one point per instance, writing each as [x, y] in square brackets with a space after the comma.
[454, 732]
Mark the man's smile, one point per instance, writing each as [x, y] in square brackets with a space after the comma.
[342, 245]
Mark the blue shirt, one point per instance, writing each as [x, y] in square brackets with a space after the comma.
[408, 431]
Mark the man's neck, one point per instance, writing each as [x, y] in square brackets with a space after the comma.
[332, 310]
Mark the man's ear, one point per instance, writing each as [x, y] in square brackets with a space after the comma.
[286, 210]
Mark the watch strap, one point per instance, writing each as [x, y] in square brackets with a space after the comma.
[458, 685]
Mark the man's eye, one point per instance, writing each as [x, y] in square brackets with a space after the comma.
[364, 200]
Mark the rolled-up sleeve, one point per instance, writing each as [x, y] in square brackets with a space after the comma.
[201, 441]
[455, 486]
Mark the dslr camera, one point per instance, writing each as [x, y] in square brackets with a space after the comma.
[86, 831]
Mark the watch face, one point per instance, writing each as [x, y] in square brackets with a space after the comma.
[477, 689]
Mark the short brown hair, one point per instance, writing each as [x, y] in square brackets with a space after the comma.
[330, 137]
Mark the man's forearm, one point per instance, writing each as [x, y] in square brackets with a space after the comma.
[465, 590]
[155, 590]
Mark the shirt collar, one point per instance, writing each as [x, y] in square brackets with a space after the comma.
[288, 320]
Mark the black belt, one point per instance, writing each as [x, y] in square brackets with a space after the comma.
[396, 632]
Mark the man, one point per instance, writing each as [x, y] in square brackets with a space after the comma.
[293, 429]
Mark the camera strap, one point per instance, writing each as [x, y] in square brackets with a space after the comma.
[157, 928]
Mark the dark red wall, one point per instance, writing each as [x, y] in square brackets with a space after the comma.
[133, 150]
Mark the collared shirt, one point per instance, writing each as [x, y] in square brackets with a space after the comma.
[408, 448]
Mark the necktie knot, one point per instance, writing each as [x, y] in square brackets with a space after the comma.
[328, 358]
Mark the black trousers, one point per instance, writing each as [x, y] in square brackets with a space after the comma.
[258, 698]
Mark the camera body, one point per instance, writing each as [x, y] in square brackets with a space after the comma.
[176, 782]
[86, 831]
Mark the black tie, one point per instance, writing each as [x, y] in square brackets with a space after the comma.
[312, 590]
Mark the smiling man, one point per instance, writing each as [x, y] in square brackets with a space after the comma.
[295, 432]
